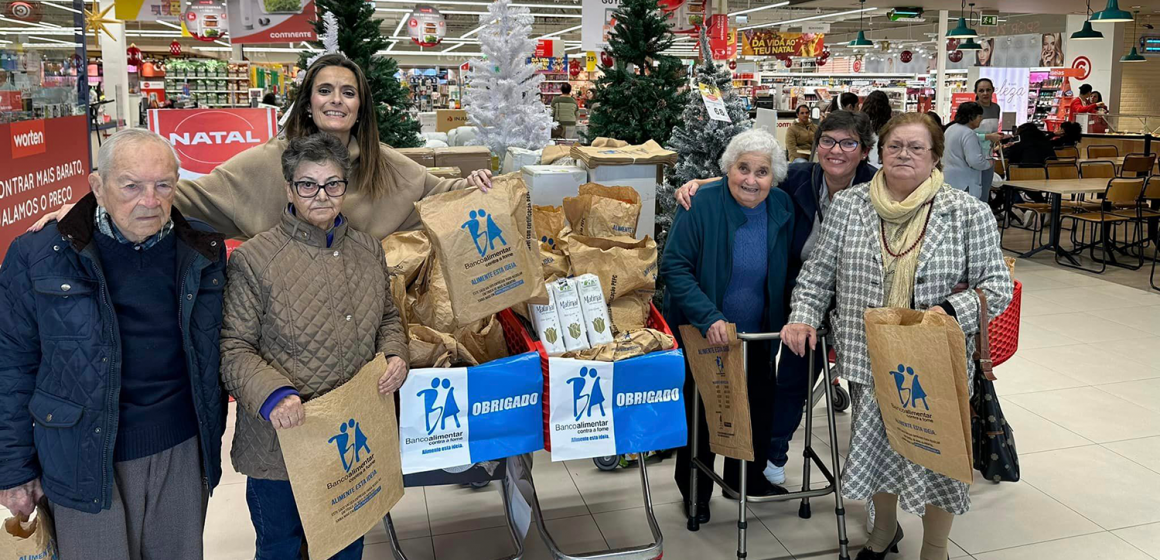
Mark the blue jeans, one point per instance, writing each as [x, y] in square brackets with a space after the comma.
[789, 401]
[276, 522]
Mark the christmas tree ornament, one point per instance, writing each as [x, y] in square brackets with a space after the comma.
[732, 64]
[906, 56]
[503, 98]
[955, 56]
[605, 58]
[820, 60]
[426, 26]
[133, 55]
[99, 21]
[175, 48]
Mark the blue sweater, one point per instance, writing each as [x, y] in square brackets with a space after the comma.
[156, 405]
[745, 297]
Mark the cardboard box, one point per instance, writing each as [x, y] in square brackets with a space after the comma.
[549, 184]
[517, 158]
[422, 156]
[642, 177]
[449, 119]
[445, 172]
[466, 158]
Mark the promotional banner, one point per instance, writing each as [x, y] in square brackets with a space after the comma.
[597, 23]
[766, 42]
[205, 20]
[596, 409]
[206, 138]
[1019, 51]
[426, 26]
[271, 21]
[685, 17]
[453, 418]
[43, 165]
[1010, 92]
[343, 462]
[148, 10]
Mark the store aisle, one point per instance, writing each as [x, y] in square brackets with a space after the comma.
[1083, 395]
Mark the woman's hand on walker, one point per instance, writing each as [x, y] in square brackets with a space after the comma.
[795, 336]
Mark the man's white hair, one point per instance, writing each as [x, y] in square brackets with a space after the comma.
[757, 141]
[107, 155]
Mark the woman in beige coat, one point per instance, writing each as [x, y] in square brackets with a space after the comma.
[245, 195]
[308, 304]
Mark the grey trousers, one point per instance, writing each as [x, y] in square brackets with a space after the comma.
[158, 512]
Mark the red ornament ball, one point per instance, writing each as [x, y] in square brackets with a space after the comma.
[821, 60]
[732, 64]
[906, 56]
[606, 58]
[788, 62]
[133, 55]
[955, 56]
[175, 48]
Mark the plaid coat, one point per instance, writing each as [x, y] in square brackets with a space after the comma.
[961, 246]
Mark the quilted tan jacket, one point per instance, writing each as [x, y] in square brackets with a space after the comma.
[304, 315]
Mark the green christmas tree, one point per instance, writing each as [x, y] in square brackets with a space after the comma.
[642, 94]
[359, 38]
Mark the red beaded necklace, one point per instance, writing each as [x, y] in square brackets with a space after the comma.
[886, 244]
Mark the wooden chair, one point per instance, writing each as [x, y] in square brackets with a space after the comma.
[1137, 165]
[1103, 227]
[1097, 169]
[1070, 152]
[1062, 170]
[1037, 210]
[1103, 151]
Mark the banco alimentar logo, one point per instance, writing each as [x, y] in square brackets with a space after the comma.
[484, 231]
[909, 387]
[439, 405]
[342, 440]
[586, 393]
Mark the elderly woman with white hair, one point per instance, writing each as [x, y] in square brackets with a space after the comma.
[726, 261]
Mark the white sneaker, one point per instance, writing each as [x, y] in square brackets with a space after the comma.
[775, 475]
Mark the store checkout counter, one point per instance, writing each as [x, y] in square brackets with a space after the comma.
[1130, 134]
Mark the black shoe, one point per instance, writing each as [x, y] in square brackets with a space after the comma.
[766, 490]
[867, 554]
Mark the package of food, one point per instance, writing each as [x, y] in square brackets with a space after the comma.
[406, 251]
[630, 311]
[487, 247]
[594, 309]
[546, 321]
[567, 302]
[601, 211]
[623, 264]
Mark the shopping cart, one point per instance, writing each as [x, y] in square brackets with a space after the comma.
[832, 473]
[519, 340]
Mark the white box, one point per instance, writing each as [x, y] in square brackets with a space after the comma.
[549, 184]
[642, 178]
[517, 158]
[427, 121]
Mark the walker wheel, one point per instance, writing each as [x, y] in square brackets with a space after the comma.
[693, 525]
[607, 463]
[841, 399]
[480, 484]
[805, 511]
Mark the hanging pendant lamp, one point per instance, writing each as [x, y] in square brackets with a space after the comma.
[970, 45]
[860, 42]
[961, 31]
[1112, 14]
[1133, 56]
[1087, 33]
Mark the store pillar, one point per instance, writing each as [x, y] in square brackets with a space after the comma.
[942, 92]
[116, 66]
[1098, 58]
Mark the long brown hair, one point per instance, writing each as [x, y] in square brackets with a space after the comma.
[370, 177]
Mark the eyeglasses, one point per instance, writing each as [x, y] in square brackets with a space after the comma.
[309, 189]
[915, 150]
[847, 145]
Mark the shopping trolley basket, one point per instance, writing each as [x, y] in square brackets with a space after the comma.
[832, 473]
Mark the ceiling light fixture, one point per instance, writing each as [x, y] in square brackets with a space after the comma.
[961, 31]
[1112, 14]
[861, 42]
[1087, 33]
[1133, 56]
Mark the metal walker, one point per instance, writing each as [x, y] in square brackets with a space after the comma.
[832, 474]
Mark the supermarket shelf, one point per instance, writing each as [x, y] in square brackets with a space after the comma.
[193, 91]
[207, 78]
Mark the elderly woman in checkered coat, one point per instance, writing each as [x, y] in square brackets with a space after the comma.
[905, 239]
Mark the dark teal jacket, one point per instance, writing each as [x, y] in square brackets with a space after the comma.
[697, 264]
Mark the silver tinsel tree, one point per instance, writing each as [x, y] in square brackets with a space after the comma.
[699, 141]
[503, 92]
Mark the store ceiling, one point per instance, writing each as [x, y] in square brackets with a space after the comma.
[561, 20]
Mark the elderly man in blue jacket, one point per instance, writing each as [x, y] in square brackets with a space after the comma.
[110, 399]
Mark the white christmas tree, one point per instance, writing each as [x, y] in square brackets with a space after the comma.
[503, 91]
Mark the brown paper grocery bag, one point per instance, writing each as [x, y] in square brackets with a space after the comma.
[406, 252]
[344, 463]
[600, 211]
[629, 312]
[920, 381]
[487, 247]
[623, 264]
[720, 375]
[550, 224]
[33, 539]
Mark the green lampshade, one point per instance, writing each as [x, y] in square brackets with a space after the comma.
[1087, 33]
[1112, 14]
[861, 42]
[1133, 57]
[961, 31]
[970, 45]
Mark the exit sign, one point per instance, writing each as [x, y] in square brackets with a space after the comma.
[989, 20]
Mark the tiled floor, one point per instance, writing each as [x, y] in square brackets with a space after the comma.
[1083, 395]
